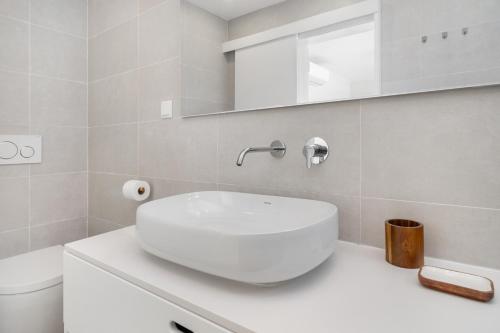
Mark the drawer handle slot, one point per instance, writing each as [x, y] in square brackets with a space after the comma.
[180, 328]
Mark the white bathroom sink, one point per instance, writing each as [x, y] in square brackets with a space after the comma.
[251, 238]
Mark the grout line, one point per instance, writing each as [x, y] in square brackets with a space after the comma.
[137, 102]
[360, 172]
[28, 22]
[138, 13]
[29, 124]
[58, 78]
[104, 173]
[136, 68]
[431, 203]
[87, 208]
[17, 229]
[217, 152]
[69, 34]
[129, 123]
[66, 220]
[42, 76]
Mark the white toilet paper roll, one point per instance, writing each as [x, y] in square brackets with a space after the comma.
[137, 190]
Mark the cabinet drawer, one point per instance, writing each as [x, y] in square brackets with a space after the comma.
[96, 301]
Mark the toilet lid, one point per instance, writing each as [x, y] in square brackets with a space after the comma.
[31, 271]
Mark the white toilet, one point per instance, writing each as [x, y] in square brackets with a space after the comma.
[31, 293]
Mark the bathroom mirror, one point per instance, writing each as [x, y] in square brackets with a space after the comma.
[272, 53]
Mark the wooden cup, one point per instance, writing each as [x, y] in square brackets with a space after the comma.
[404, 243]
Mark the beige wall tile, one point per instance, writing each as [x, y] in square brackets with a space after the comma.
[199, 84]
[14, 43]
[436, 147]
[197, 21]
[47, 58]
[114, 100]
[184, 149]
[14, 203]
[161, 188]
[14, 98]
[106, 201]
[194, 107]
[100, 226]
[159, 33]
[13, 243]
[15, 8]
[113, 149]
[58, 233]
[202, 53]
[337, 123]
[58, 102]
[114, 51]
[105, 14]
[64, 150]
[148, 4]
[57, 198]
[159, 83]
[68, 16]
[462, 234]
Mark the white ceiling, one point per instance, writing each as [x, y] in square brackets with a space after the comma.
[230, 9]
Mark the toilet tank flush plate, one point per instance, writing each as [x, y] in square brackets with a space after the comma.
[20, 149]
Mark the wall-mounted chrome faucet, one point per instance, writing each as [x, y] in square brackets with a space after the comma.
[277, 149]
[316, 151]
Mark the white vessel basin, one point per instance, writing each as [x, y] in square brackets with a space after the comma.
[251, 238]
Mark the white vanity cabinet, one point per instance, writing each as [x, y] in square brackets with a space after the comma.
[96, 301]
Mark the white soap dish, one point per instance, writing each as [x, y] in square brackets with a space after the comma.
[462, 284]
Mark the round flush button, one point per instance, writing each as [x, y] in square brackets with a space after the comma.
[27, 151]
[8, 150]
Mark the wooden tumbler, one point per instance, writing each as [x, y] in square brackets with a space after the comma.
[404, 243]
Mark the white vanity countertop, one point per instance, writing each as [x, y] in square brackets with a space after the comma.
[355, 291]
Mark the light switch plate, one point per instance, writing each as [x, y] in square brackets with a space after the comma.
[20, 149]
[166, 109]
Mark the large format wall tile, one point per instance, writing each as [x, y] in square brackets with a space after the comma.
[14, 242]
[184, 149]
[456, 233]
[159, 83]
[58, 198]
[14, 203]
[68, 16]
[64, 150]
[436, 147]
[15, 8]
[58, 102]
[58, 233]
[197, 21]
[113, 149]
[14, 98]
[47, 58]
[106, 14]
[43, 91]
[106, 200]
[159, 33]
[99, 226]
[114, 100]
[337, 123]
[148, 4]
[161, 188]
[14, 43]
[114, 51]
